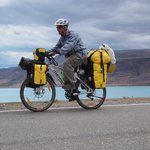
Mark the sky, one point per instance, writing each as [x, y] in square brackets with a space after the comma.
[28, 24]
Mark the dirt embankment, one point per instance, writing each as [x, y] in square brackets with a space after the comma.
[17, 106]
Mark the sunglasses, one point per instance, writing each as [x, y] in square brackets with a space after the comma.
[59, 27]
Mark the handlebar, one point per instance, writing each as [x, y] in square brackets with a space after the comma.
[51, 59]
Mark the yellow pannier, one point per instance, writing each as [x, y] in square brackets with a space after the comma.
[98, 61]
[99, 56]
[39, 54]
[99, 75]
[39, 74]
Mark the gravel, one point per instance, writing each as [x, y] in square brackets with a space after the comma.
[57, 103]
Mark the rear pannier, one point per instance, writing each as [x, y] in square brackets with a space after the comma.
[96, 71]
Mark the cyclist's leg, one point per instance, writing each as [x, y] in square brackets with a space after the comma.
[69, 66]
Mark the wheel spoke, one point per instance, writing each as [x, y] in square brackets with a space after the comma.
[92, 100]
[39, 98]
[28, 101]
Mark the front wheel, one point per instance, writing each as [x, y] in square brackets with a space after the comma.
[91, 99]
[37, 98]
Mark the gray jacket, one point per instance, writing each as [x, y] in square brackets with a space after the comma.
[69, 44]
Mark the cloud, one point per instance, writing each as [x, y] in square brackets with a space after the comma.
[33, 36]
[18, 41]
[5, 3]
[131, 16]
[26, 25]
[12, 58]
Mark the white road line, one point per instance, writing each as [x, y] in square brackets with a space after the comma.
[124, 105]
[59, 108]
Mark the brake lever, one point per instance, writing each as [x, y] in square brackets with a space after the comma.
[52, 60]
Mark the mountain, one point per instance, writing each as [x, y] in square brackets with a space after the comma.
[11, 77]
[132, 69]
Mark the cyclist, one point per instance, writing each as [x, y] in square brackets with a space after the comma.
[71, 46]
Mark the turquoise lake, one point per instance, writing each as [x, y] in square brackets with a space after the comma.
[12, 94]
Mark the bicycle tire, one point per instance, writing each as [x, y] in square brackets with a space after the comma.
[92, 102]
[40, 100]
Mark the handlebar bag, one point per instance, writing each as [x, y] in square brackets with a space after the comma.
[39, 55]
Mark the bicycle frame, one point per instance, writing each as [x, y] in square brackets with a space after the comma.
[55, 63]
[57, 76]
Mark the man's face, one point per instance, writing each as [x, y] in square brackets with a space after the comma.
[61, 30]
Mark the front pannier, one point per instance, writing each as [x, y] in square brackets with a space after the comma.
[39, 74]
[98, 61]
[36, 68]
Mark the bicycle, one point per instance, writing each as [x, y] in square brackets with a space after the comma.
[40, 98]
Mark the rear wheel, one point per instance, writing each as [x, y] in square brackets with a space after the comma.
[92, 99]
[39, 98]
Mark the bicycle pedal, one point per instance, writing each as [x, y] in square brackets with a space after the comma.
[73, 98]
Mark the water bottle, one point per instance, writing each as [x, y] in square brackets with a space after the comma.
[62, 76]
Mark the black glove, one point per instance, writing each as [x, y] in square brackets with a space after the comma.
[50, 54]
[56, 51]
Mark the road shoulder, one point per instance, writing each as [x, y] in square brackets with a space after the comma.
[57, 103]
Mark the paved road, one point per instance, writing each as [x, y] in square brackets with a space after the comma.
[108, 128]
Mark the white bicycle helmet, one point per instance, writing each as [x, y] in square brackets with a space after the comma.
[62, 22]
